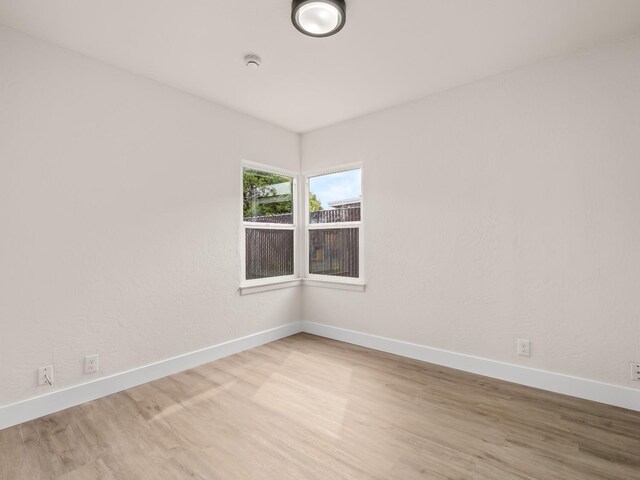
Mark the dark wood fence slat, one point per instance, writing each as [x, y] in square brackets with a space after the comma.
[269, 253]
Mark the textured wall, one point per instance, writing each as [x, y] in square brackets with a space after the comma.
[119, 218]
[511, 208]
[506, 208]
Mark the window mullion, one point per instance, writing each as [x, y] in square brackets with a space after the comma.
[270, 226]
[332, 226]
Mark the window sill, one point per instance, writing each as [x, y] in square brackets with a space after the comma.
[338, 285]
[296, 282]
[265, 287]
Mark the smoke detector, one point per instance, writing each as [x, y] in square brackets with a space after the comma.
[252, 61]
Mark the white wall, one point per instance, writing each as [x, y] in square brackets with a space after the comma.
[506, 208]
[119, 218]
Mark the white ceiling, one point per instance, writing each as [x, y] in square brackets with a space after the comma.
[389, 52]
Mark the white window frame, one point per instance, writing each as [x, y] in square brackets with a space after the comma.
[312, 279]
[261, 284]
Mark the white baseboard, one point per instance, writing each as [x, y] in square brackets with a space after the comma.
[618, 396]
[57, 400]
[35, 407]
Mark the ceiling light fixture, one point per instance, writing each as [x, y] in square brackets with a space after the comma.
[318, 18]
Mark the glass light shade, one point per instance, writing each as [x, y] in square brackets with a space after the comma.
[318, 18]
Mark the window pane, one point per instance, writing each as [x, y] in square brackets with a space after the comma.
[335, 197]
[267, 197]
[269, 253]
[334, 252]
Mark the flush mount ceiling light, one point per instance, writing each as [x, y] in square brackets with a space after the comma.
[318, 18]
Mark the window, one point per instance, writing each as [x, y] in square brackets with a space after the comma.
[333, 226]
[268, 224]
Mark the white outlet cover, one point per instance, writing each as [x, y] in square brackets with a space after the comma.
[524, 347]
[635, 372]
[45, 375]
[91, 364]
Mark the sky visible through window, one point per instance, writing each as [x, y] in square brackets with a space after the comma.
[336, 186]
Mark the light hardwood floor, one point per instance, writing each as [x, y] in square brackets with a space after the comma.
[310, 408]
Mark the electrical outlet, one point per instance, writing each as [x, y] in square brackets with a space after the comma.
[635, 372]
[91, 364]
[524, 347]
[45, 375]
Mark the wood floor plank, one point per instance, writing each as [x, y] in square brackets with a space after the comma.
[309, 408]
